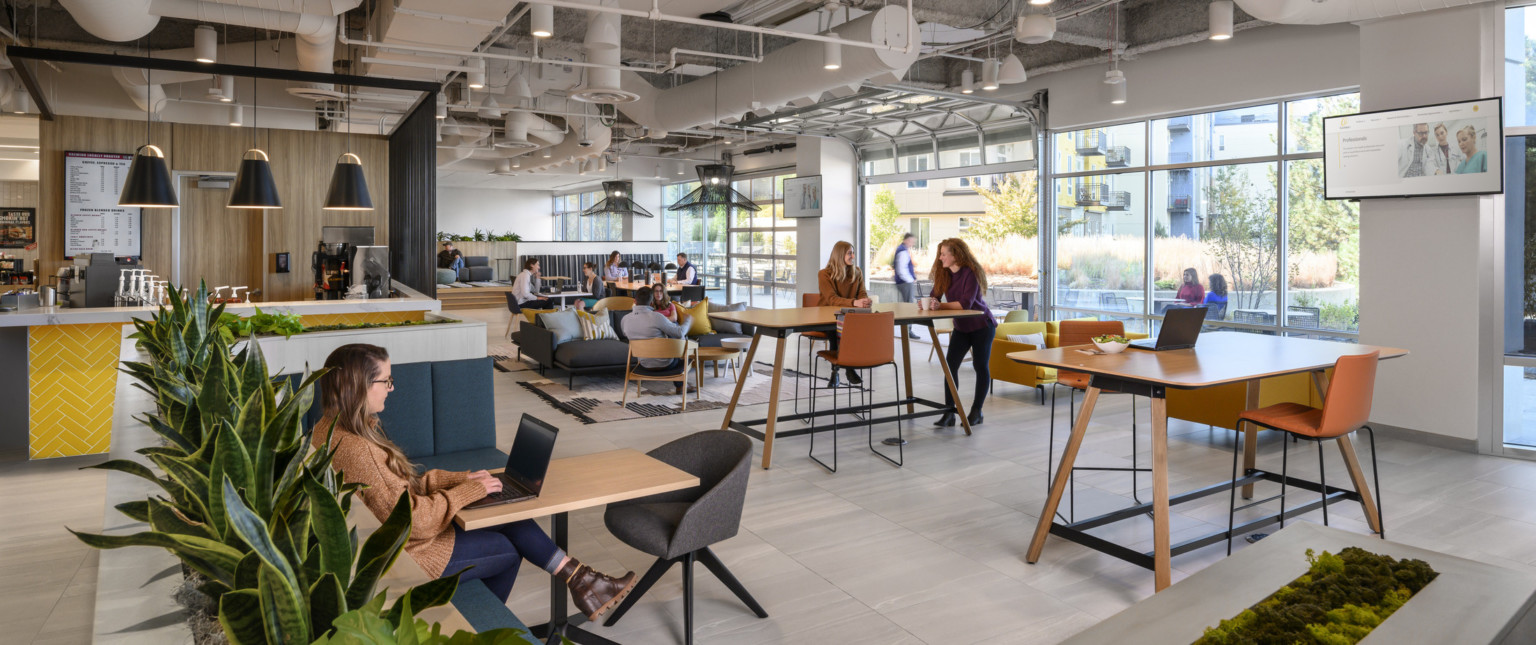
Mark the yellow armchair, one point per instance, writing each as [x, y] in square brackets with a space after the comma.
[1219, 406]
[1004, 369]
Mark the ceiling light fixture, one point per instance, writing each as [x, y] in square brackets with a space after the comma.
[21, 103]
[548, 153]
[1040, 3]
[682, 168]
[618, 198]
[236, 116]
[254, 186]
[1221, 19]
[1034, 29]
[541, 21]
[1115, 79]
[205, 44]
[442, 106]
[714, 190]
[476, 75]
[1012, 71]
[831, 53]
[227, 89]
[967, 81]
[149, 179]
[349, 188]
[989, 74]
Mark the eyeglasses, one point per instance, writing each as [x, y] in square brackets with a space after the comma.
[390, 381]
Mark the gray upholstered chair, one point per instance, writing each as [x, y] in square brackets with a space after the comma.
[680, 526]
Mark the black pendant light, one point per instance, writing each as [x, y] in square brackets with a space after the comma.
[714, 190]
[349, 189]
[149, 180]
[618, 197]
[254, 186]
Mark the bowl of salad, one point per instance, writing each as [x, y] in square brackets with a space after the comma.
[1111, 344]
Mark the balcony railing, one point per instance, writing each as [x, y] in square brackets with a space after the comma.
[1100, 194]
[1117, 157]
[1180, 157]
[1179, 125]
[1091, 143]
[1178, 203]
[1117, 200]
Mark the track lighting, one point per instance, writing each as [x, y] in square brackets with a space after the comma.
[989, 74]
[967, 81]
[831, 53]
[476, 75]
[1221, 19]
[205, 44]
[541, 21]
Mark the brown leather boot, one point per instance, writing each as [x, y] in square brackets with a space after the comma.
[595, 593]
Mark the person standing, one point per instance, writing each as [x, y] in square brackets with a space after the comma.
[842, 285]
[962, 284]
[1476, 160]
[1191, 294]
[906, 273]
[526, 287]
[450, 258]
[1447, 158]
[687, 274]
[1416, 158]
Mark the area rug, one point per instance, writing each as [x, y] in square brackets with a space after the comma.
[597, 398]
[505, 358]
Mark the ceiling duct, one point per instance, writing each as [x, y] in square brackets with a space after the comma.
[602, 47]
[789, 73]
[1323, 12]
[315, 33]
[516, 137]
[117, 21]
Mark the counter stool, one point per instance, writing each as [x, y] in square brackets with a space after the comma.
[1346, 408]
[808, 300]
[1082, 332]
[866, 345]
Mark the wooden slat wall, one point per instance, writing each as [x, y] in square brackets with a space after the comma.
[413, 203]
[301, 163]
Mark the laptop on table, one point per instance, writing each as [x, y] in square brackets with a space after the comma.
[527, 463]
[1181, 328]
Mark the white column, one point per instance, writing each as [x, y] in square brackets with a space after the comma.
[834, 161]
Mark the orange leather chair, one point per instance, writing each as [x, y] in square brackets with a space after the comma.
[1346, 408]
[1081, 332]
[867, 343]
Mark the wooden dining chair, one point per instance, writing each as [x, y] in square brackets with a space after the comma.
[1346, 409]
[658, 348]
[1075, 333]
[866, 345]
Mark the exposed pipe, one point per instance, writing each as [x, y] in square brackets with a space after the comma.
[117, 21]
[672, 58]
[1312, 12]
[656, 14]
[427, 49]
[316, 43]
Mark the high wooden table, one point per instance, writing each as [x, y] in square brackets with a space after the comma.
[781, 323]
[572, 484]
[1218, 358]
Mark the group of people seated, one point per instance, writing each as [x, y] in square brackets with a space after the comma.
[1193, 294]
[527, 287]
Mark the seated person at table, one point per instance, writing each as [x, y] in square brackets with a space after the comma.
[352, 394]
[644, 322]
[526, 287]
[686, 273]
[1216, 298]
[450, 258]
[842, 285]
[662, 302]
[614, 270]
[593, 284]
[1191, 294]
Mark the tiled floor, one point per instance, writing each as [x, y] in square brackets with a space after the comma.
[928, 553]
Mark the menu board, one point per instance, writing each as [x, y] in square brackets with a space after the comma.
[93, 222]
[18, 228]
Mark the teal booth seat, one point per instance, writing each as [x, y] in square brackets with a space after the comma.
[442, 414]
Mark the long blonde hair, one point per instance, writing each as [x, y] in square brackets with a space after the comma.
[838, 267]
[344, 397]
[962, 252]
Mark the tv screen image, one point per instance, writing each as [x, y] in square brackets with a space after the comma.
[1445, 149]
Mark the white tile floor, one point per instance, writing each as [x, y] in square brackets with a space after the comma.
[928, 553]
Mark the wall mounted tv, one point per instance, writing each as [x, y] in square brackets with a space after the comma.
[1445, 149]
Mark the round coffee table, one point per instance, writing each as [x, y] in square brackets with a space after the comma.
[715, 354]
[738, 345]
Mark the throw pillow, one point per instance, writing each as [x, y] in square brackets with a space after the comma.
[533, 314]
[595, 327]
[563, 324]
[724, 327]
[1038, 340]
[700, 313]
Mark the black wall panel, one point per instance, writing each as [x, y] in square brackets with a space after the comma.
[413, 198]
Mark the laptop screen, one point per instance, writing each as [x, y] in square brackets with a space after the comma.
[531, 451]
[1181, 327]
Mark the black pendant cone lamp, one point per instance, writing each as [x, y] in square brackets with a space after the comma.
[714, 190]
[254, 186]
[149, 180]
[349, 189]
[618, 197]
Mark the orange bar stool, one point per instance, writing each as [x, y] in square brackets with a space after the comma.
[1082, 332]
[808, 300]
[866, 345]
[1346, 408]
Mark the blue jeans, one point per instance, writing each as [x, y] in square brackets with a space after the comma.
[494, 553]
[458, 264]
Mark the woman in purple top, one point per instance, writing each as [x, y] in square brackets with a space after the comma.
[959, 280]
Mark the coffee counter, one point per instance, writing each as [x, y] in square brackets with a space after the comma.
[59, 366]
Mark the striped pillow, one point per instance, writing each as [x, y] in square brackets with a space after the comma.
[595, 327]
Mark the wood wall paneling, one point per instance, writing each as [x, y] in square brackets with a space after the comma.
[301, 163]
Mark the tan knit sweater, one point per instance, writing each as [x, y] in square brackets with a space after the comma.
[431, 541]
[836, 293]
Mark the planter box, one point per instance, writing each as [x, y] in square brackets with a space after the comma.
[410, 344]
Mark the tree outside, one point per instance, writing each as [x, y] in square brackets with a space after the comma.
[1012, 209]
[1242, 233]
[884, 231]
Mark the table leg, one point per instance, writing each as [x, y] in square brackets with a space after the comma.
[949, 381]
[736, 396]
[1162, 561]
[561, 625]
[906, 362]
[773, 401]
[1250, 436]
[1063, 472]
[1352, 463]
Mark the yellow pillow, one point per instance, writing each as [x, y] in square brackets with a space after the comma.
[700, 313]
[533, 314]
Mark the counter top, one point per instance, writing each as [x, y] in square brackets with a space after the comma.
[40, 316]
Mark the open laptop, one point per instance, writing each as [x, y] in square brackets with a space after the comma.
[1181, 328]
[527, 463]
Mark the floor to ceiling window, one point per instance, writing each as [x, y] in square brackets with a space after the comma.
[1206, 209]
[743, 256]
[571, 226]
[1519, 392]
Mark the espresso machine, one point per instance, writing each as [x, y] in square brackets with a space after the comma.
[332, 264]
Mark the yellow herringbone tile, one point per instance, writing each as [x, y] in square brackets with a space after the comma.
[73, 380]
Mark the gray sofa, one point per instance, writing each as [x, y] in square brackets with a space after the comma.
[477, 268]
[590, 356]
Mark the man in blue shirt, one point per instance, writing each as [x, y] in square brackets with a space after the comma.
[906, 273]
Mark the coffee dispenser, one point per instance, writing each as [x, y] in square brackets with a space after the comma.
[332, 264]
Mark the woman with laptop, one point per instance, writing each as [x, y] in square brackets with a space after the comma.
[352, 394]
[960, 281]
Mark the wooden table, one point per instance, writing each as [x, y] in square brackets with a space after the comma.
[1218, 358]
[630, 287]
[714, 355]
[572, 484]
[781, 323]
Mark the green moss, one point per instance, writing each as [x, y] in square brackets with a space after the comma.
[1338, 601]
